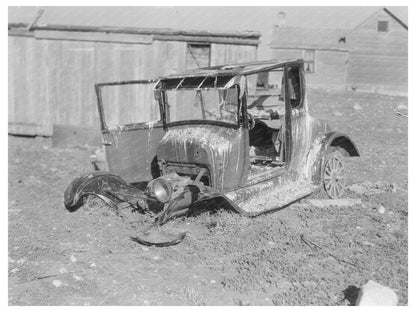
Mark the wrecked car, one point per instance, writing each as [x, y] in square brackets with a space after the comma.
[236, 137]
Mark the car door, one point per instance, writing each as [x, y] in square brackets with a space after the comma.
[299, 136]
[131, 128]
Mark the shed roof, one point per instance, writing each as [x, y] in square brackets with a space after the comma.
[142, 31]
[213, 18]
[137, 20]
[84, 33]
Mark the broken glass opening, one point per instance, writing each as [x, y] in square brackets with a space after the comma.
[207, 104]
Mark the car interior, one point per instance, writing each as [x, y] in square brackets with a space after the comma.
[266, 105]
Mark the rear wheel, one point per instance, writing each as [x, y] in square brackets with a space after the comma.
[334, 174]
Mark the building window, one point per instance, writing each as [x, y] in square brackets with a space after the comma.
[383, 26]
[309, 59]
[262, 80]
[197, 55]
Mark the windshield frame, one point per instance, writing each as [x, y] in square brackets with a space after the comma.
[163, 107]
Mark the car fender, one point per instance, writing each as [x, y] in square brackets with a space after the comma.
[210, 199]
[94, 183]
[319, 148]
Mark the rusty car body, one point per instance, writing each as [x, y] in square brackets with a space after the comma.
[232, 136]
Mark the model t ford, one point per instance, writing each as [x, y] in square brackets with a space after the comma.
[234, 136]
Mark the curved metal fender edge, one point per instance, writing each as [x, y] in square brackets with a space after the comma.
[342, 140]
[213, 200]
[319, 149]
[90, 183]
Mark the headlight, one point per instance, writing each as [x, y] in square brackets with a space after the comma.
[162, 190]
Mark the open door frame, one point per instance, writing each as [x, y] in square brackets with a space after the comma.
[130, 149]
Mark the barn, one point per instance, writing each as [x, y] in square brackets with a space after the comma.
[370, 57]
[53, 69]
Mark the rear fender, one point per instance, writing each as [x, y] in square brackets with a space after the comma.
[321, 147]
[95, 183]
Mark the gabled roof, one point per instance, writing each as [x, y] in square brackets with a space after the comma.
[307, 38]
[389, 12]
[401, 21]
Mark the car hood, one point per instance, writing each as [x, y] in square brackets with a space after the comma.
[206, 145]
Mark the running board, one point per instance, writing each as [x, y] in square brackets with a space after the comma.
[269, 196]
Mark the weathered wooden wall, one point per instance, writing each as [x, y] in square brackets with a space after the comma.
[378, 60]
[51, 82]
[31, 86]
[83, 64]
[52, 76]
[229, 53]
[330, 67]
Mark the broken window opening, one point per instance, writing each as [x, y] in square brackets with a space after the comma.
[128, 104]
[208, 104]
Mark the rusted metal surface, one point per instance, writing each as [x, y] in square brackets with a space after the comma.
[204, 162]
[219, 149]
[131, 153]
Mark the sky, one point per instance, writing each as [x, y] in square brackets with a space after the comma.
[213, 18]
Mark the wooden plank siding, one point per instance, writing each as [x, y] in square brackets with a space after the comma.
[330, 70]
[378, 60]
[52, 77]
[378, 73]
[29, 87]
[282, 54]
[330, 67]
[228, 53]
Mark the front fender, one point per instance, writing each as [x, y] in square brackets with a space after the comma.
[319, 149]
[94, 183]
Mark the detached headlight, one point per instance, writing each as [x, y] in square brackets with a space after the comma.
[162, 190]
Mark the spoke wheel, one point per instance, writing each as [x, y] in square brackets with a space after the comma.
[334, 179]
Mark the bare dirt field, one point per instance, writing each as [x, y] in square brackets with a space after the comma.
[301, 255]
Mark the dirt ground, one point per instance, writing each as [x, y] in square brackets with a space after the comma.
[301, 255]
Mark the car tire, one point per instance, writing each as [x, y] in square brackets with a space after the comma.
[334, 178]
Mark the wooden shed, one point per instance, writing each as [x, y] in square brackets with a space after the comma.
[53, 69]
